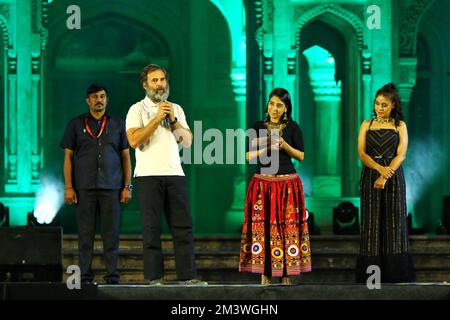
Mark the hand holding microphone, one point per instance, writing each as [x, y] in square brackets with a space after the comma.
[164, 111]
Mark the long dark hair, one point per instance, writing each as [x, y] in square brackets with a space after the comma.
[284, 96]
[390, 91]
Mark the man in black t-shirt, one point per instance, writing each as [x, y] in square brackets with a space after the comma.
[97, 175]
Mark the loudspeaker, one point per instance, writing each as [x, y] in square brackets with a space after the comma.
[446, 213]
[46, 291]
[31, 254]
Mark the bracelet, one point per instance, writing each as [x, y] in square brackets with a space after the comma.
[67, 188]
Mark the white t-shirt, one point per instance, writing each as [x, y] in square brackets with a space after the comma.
[159, 156]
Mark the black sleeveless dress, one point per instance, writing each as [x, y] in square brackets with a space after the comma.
[384, 229]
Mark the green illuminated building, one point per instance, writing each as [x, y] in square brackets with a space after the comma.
[224, 57]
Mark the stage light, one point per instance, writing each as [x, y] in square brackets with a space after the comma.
[446, 213]
[312, 228]
[412, 230]
[34, 221]
[345, 219]
[49, 199]
[4, 215]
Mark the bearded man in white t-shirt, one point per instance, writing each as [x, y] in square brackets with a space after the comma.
[154, 129]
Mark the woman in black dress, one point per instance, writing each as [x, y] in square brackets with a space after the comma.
[382, 146]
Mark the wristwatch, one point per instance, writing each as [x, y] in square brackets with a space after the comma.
[128, 186]
[174, 121]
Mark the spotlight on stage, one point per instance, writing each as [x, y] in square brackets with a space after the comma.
[36, 221]
[4, 215]
[49, 199]
[446, 213]
[345, 219]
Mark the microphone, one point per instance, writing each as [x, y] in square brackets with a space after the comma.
[161, 95]
[166, 122]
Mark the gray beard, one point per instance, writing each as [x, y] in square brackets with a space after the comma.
[158, 95]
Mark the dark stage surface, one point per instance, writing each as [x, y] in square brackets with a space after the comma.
[250, 292]
[278, 292]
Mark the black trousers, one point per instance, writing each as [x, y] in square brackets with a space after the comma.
[168, 194]
[105, 203]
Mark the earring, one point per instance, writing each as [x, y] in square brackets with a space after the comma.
[285, 117]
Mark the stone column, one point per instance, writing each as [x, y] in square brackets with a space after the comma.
[292, 83]
[281, 42]
[381, 46]
[407, 81]
[23, 150]
[10, 125]
[24, 112]
[327, 97]
[235, 214]
[367, 99]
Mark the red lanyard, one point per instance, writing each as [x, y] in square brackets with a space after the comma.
[88, 129]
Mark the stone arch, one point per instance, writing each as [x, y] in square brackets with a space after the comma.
[431, 35]
[335, 10]
[350, 27]
[136, 20]
[235, 17]
[134, 12]
[426, 111]
[142, 17]
[410, 24]
[183, 60]
[110, 24]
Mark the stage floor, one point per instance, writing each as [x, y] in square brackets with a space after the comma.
[332, 291]
[235, 292]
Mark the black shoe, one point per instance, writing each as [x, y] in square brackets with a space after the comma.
[156, 282]
[193, 282]
[112, 281]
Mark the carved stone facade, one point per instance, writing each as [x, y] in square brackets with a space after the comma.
[41, 25]
[22, 159]
[395, 60]
[410, 15]
[350, 13]
[373, 57]
[4, 18]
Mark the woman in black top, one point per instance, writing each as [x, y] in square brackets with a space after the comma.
[382, 146]
[275, 237]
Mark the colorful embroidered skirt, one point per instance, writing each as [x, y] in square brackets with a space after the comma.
[275, 237]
